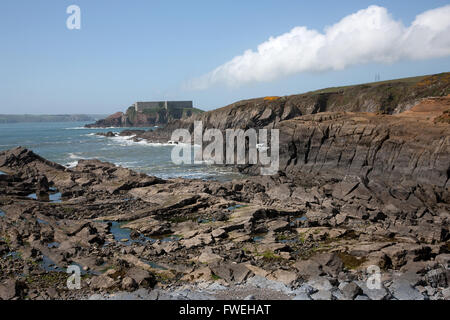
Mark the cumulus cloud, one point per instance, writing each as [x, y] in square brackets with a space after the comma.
[367, 36]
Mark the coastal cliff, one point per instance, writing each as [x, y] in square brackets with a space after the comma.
[390, 131]
[144, 118]
[386, 97]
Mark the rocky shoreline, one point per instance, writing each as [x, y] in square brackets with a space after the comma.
[359, 209]
[140, 237]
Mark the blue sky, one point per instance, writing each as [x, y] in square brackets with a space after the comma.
[130, 51]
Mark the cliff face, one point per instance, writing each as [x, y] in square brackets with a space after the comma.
[145, 118]
[401, 154]
[114, 120]
[388, 136]
[388, 97]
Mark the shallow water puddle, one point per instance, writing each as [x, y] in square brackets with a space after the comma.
[120, 234]
[55, 197]
[154, 265]
[32, 196]
[200, 220]
[298, 221]
[53, 245]
[258, 237]
[13, 254]
[2, 214]
[52, 197]
[235, 207]
[49, 265]
[123, 235]
[40, 221]
[288, 240]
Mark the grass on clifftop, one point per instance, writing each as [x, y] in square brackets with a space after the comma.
[419, 80]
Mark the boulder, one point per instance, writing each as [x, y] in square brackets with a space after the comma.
[320, 283]
[199, 275]
[142, 277]
[102, 282]
[278, 225]
[129, 284]
[437, 278]
[308, 269]
[199, 240]
[351, 290]
[443, 259]
[219, 233]
[286, 277]
[322, 295]
[402, 290]
[11, 288]
[208, 256]
[329, 262]
[446, 293]
[236, 273]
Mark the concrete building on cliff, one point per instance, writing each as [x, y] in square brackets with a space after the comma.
[168, 105]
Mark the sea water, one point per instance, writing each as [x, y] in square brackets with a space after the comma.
[68, 142]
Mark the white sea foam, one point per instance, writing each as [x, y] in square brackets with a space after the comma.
[129, 141]
[83, 128]
[72, 164]
[126, 164]
[74, 156]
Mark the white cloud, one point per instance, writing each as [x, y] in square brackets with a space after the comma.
[369, 35]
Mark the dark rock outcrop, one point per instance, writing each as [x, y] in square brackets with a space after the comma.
[145, 118]
[407, 148]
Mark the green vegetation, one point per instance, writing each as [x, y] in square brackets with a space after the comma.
[131, 113]
[68, 210]
[302, 237]
[444, 118]
[269, 256]
[179, 219]
[351, 262]
[411, 80]
[382, 96]
[385, 95]
[51, 279]
[215, 277]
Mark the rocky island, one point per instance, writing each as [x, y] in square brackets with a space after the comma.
[364, 183]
